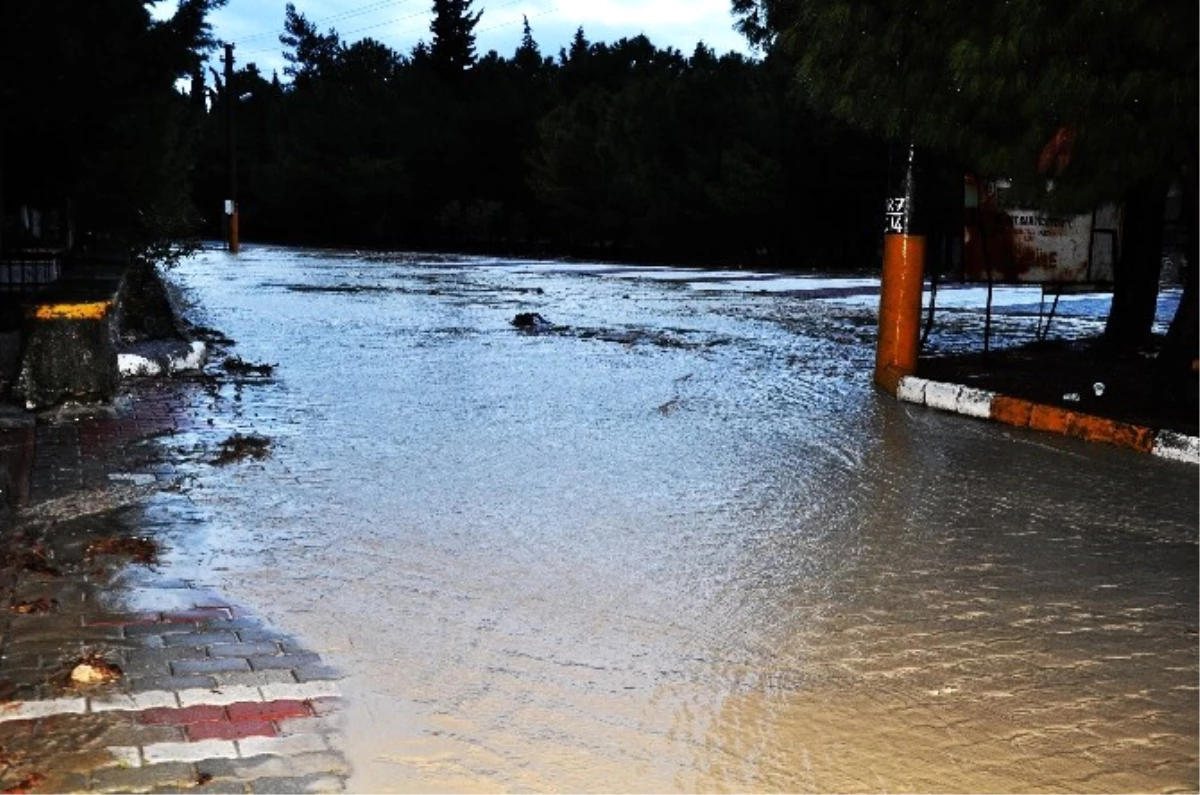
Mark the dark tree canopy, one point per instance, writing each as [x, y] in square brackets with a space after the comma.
[453, 27]
[1099, 96]
[618, 149]
[311, 52]
[91, 120]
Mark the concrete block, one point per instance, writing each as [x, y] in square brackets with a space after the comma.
[161, 357]
[291, 745]
[189, 752]
[134, 702]
[911, 389]
[71, 339]
[1177, 447]
[973, 402]
[942, 396]
[135, 364]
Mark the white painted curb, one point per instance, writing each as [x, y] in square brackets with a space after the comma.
[911, 389]
[942, 396]
[132, 364]
[977, 403]
[964, 400]
[1177, 447]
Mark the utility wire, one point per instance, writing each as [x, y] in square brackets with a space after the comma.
[367, 9]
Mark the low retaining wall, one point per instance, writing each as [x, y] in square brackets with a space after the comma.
[71, 335]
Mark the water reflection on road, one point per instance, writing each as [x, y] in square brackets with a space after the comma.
[679, 543]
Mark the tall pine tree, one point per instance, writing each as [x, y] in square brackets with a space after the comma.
[453, 29]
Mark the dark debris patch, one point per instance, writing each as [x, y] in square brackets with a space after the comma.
[34, 560]
[35, 607]
[351, 289]
[532, 323]
[239, 448]
[141, 550]
[26, 783]
[238, 366]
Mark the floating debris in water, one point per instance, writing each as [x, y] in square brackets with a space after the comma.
[532, 321]
[35, 606]
[239, 447]
[235, 364]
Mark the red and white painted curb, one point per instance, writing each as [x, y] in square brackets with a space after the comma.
[982, 404]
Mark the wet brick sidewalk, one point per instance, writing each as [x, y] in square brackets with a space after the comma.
[207, 698]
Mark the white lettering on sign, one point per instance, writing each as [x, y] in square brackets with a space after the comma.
[897, 208]
[1034, 219]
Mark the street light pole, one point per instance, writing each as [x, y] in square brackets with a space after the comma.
[231, 205]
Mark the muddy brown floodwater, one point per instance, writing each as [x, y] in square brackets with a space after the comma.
[677, 542]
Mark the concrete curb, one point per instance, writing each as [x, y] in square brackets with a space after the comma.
[982, 404]
[159, 358]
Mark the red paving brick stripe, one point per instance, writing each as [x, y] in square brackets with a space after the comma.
[269, 710]
[230, 730]
[182, 717]
[230, 722]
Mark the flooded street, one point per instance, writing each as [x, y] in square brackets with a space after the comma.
[678, 542]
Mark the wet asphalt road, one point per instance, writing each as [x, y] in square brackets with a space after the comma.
[678, 542]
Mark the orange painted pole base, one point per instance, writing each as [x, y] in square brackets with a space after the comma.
[899, 309]
[233, 233]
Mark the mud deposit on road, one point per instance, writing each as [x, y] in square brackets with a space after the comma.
[691, 551]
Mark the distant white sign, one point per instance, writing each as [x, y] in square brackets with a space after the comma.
[1017, 246]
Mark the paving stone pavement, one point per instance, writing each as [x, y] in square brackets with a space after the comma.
[206, 696]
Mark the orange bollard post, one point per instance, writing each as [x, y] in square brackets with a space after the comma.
[899, 309]
[900, 290]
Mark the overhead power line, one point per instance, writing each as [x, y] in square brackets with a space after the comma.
[414, 29]
[324, 21]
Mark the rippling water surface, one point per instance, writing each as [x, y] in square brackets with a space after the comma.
[679, 543]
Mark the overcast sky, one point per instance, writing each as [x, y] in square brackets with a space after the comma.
[253, 26]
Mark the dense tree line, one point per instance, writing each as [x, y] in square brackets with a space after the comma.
[617, 149]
